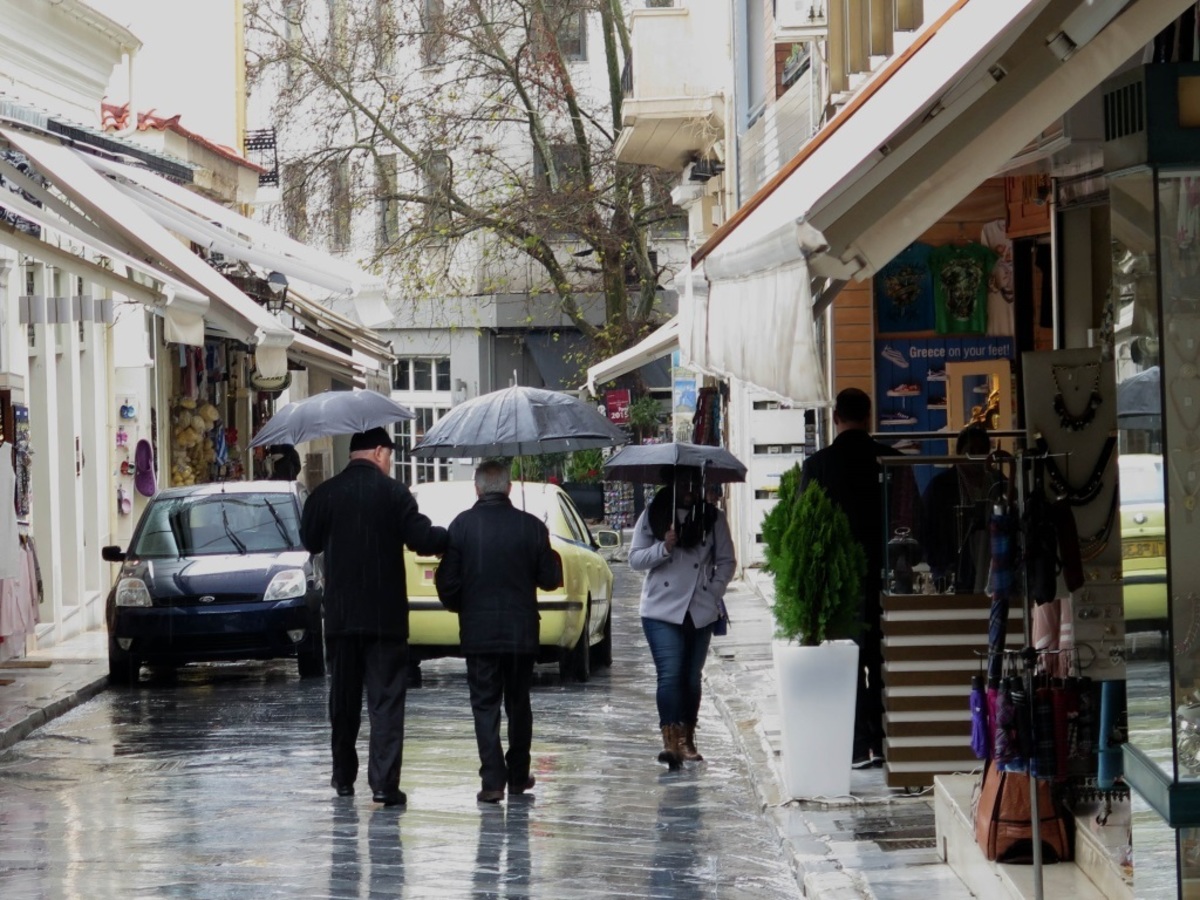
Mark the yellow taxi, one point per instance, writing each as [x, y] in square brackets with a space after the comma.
[1143, 539]
[576, 619]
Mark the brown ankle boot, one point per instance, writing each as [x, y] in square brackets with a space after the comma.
[671, 754]
[689, 752]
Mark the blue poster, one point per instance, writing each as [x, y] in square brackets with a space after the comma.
[910, 378]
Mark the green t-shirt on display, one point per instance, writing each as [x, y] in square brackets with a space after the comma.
[960, 287]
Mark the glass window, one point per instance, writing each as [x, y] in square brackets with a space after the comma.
[438, 178]
[442, 367]
[433, 42]
[295, 203]
[579, 530]
[402, 375]
[388, 208]
[422, 375]
[339, 204]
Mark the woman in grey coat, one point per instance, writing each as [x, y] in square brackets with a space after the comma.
[683, 545]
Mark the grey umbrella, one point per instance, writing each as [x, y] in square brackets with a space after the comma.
[519, 421]
[1139, 400]
[330, 412]
[644, 462]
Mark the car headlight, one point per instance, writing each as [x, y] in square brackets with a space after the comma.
[287, 584]
[133, 592]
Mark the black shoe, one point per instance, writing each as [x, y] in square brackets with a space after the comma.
[523, 786]
[878, 761]
[486, 796]
[862, 762]
[344, 790]
[390, 798]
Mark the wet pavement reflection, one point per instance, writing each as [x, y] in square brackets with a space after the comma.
[213, 782]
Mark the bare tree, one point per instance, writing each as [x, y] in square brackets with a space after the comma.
[479, 136]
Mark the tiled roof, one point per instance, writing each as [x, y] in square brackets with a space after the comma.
[115, 118]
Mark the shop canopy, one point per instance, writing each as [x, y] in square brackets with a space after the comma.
[656, 345]
[108, 222]
[951, 110]
[219, 229]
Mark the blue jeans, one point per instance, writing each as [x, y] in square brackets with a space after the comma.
[679, 652]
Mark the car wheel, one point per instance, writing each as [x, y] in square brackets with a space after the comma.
[310, 655]
[575, 663]
[123, 667]
[602, 652]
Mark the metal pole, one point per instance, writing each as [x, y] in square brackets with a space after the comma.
[1030, 658]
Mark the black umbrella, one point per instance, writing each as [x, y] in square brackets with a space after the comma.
[1139, 400]
[644, 462]
[519, 421]
[329, 413]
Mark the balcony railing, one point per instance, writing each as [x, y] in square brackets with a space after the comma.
[777, 136]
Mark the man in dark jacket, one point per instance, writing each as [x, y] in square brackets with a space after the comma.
[849, 471]
[360, 520]
[497, 558]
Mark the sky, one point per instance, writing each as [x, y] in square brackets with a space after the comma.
[186, 63]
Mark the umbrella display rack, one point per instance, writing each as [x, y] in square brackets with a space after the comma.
[930, 658]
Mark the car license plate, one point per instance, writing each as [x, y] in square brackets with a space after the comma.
[1143, 549]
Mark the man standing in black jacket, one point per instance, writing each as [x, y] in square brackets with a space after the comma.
[360, 520]
[497, 558]
[849, 471]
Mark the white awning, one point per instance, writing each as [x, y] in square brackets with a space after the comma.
[937, 120]
[310, 352]
[325, 320]
[112, 213]
[216, 227]
[751, 319]
[654, 346]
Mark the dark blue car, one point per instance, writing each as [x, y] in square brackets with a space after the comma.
[216, 572]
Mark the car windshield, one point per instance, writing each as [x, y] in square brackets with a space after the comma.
[1142, 482]
[215, 524]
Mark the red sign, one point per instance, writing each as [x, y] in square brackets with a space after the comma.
[618, 406]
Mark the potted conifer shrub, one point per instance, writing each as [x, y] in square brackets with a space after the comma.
[818, 569]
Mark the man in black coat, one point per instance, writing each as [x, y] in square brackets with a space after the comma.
[360, 520]
[497, 558]
[849, 471]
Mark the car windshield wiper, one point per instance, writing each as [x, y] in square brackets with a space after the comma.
[241, 548]
[278, 523]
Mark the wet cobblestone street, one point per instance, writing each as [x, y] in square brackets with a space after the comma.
[214, 783]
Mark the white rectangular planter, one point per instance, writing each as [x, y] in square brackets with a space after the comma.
[817, 687]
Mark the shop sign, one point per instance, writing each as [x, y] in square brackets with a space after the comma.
[617, 403]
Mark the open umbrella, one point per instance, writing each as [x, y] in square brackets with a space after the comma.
[519, 421]
[327, 413]
[1139, 400]
[644, 462]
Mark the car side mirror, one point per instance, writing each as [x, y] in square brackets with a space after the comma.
[112, 554]
[607, 540]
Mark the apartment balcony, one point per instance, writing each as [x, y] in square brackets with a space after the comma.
[674, 106]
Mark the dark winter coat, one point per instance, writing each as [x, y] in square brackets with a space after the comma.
[497, 558]
[849, 471]
[361, 520]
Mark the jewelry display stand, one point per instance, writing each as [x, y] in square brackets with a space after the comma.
[1070, 415]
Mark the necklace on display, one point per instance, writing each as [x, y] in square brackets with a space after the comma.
[1183, 328]
[1066, 418]
[1185, 396]
[1091, 488]
[1189, 478]
[1092, 546]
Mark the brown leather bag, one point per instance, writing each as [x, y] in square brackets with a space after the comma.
[1003, 823]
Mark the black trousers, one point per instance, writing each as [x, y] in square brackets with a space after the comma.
[868, 706]
[492, 677]
[381, 664]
